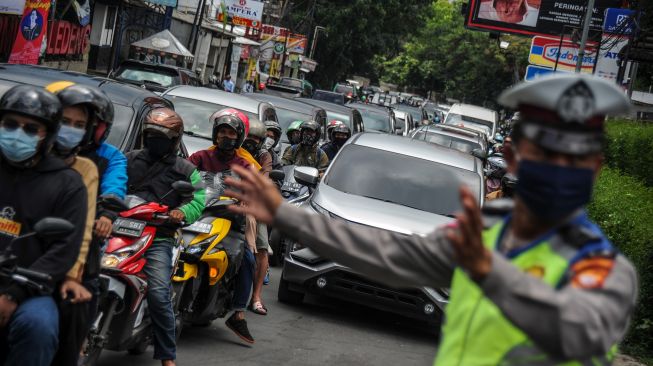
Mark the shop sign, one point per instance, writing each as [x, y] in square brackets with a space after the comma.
[67, 38]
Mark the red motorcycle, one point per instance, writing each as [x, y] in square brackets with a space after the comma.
[122, 321]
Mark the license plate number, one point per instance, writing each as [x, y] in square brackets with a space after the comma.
[199, 227]
[291, 187]
[128, 227]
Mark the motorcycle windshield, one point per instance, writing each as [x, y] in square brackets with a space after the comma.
[132, 201]
[214, 185]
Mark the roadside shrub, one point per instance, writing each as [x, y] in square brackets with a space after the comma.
[630, 148]
[623, 207]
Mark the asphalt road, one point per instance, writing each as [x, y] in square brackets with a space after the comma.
[321, 331]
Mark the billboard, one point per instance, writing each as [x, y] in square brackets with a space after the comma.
[297, 43]
[534, 17]
[247, 13]
[619, 21]
[14, 7]
[546, 51]
[33, 27]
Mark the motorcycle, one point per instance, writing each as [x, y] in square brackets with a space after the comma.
[294, 192]
[122, 321]
[494, 171]
[214, 248]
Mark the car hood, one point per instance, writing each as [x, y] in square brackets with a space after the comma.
[376, 213]
[195, 144]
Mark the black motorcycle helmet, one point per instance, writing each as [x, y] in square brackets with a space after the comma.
[233, 118]
[508, 184]
[340, 129]
[309, 126]
[38, 103]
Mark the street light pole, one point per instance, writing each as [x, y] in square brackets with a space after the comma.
[315, 33]
[586, 30]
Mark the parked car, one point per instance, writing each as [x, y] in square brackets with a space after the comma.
[419, 114]
[196, 105]
[377, 118]
[404, 122]
[471, 116]
[349, 91]
[350, 116]
[331, 97]
[131, 104]
[289, 88]
[443, 135]
[153, 76]
[374, 192]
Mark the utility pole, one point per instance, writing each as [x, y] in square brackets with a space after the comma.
[586, 29]
[315, 34]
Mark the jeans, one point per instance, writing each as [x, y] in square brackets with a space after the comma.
[244, 281]
[159, 271]
[31, 338]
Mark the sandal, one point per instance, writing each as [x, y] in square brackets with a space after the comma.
[258, 308]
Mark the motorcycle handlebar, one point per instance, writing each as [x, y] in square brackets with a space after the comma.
[33, 274]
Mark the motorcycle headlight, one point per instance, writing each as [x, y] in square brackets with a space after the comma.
[113, 259]
[201, 246]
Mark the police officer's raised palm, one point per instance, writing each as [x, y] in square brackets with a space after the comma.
[258, 195]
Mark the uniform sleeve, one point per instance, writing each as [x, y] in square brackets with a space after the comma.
[392, 258]
[570, 322]
[287, 159]
[90, 177]
[193, 210]
[114, 179]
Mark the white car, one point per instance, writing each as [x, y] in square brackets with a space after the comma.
[474, 117]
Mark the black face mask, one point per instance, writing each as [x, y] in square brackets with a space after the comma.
[251, 146]
[158, 146]
[340, 142]
[308, 140]
[226, 144]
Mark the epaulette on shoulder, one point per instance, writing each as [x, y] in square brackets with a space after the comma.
[495, 210]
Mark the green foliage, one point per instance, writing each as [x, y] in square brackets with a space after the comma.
[623, 208]
[630, 148]
[445, 57]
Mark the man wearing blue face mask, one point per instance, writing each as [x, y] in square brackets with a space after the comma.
[532, 281]
[34, 185]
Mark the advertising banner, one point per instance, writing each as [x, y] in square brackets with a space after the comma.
[534, 17]
[278, 34]
[14, 7]
[247, 13]
[297, 43]
[546, 50]
[33, 27]
[608, 63]
[619, 21]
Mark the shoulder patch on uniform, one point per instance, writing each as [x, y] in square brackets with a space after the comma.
[591, 272]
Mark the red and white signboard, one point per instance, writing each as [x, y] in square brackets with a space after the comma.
[247, 13]
[33, 27]
[546, 51]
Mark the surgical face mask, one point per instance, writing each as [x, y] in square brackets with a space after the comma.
[16, 145]
[268, 143]
[225, 143]
[158, 146]
[553, 192]
[69, 137]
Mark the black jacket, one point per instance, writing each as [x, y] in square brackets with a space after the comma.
[50, 189]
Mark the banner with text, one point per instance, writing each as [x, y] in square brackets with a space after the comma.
[33, 27]
[14, 7]
[546, 51]
[247, 13]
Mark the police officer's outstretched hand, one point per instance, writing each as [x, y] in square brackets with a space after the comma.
[258, 195]
[467, 241]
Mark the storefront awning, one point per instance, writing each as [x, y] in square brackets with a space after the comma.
[164, 41]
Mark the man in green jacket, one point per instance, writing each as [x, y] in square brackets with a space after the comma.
[151, 173]
[533, 281]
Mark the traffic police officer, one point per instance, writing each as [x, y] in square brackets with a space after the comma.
[536, 283]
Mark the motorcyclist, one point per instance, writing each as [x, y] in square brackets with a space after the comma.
[293, 134]
[80, 109]
[151, 172]
[274, 134]
[34, 185]
[332, 124]
[307, 153]
[508, 184]
[230, 127]
[339, 135]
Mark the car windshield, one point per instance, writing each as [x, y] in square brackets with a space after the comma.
[292, 83]
[329, 97]
[376, 121]
[286, 117]
[196, 113]
[408, 181]
[122, 119]
[340, 117]
[455, 143]
[344, 89]
[470, 122]
[159, 77]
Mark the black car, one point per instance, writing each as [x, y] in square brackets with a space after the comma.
[350, 116]
[289, 88]
[376, 118]
[331, 97]
[131, 104]
[154, 77]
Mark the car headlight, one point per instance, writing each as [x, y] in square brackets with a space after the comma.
[113, 259]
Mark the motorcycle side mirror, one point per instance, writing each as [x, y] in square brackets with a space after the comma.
[479, 153]
[53, 228]
[183, 187]
[113, 203]
[277, 175]
[307, 176]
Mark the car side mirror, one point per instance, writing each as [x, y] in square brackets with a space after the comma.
[479, 153]
[53, 228]
[277, 175]
[112, 203]
[307, 176]
[183, 187]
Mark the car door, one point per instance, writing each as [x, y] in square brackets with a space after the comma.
[357, 124]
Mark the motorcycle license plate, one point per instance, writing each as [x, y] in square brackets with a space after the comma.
[128, 227]
[199, 227]
[291, 187]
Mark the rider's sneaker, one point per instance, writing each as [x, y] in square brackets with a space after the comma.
[266, 280]
[240, 328]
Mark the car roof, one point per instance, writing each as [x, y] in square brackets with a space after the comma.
[215, 96]
[118, 92]
[327, 106]
[474, 111]
[417, 149]
[284, 103]
[369, 107]
[453, 133]
[321, 91]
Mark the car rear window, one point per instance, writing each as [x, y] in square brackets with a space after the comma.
[329, 97]
[160, 77]
[345, 89]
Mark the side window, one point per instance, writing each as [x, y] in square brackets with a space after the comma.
[270, 114]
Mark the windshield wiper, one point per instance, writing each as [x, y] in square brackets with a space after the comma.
[191, 133]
